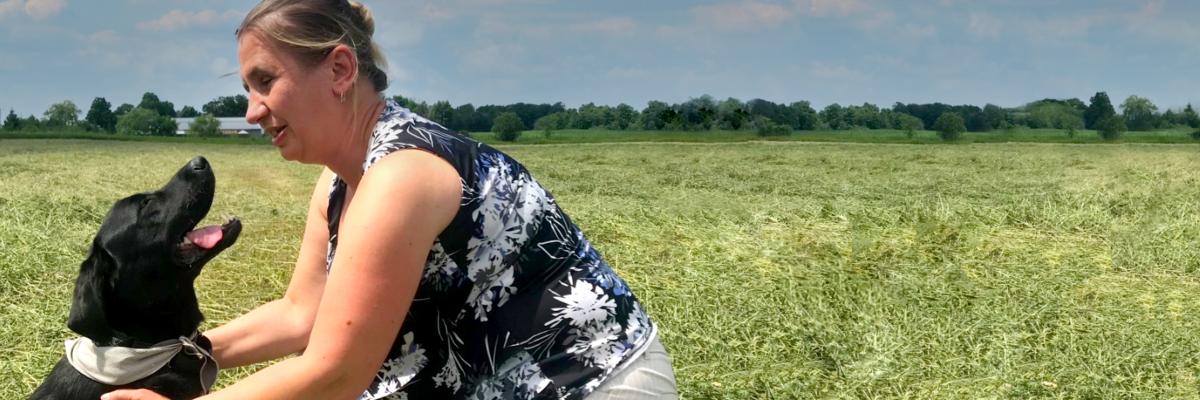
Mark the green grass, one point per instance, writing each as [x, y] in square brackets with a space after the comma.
[579, 136]
[570, 136]
[775, 270]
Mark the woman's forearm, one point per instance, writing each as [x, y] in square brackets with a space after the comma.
[271, 331]
[305, 379]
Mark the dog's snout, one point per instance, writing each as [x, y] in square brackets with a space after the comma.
[199, 163]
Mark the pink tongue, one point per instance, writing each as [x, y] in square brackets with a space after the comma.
[206, 237]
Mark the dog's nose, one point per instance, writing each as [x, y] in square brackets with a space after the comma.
[199, 163]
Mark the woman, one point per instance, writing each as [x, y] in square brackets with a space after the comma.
[431, 266]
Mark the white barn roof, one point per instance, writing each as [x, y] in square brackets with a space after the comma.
[228, 124]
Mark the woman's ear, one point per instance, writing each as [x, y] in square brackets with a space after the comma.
[343, 66]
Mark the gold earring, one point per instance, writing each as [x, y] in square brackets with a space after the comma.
[342, 98]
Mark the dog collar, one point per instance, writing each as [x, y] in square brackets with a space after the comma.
[116, 365]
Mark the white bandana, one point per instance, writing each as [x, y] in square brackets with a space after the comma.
[114, 365]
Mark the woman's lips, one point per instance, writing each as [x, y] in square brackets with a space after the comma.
[278, 138]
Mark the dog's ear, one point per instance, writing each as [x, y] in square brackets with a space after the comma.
[88, 315]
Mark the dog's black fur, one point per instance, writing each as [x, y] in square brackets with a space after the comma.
[135, 287]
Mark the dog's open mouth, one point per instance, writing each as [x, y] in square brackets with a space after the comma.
[207, 241]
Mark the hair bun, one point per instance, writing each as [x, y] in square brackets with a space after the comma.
[367, 20]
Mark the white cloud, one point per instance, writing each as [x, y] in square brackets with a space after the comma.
[397, 35]
[494, 57]
[745, 14]
[614, 26]
[834, 72]
[220, 66]
[103, 37]
[863, 15]
[981, 24]
[916, 31]
[1063, 27]
[627, 73]
[9, 7]
[40, 9]
[826, 8]
[178, 19]
[436, 12]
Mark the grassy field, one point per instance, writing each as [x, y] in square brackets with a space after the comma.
[776, 270]
[578, 136]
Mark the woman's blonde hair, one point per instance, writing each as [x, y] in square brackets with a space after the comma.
[310, 29]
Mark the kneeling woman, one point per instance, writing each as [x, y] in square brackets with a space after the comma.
[432, 266]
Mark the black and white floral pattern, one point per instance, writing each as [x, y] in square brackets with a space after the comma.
[514, 303]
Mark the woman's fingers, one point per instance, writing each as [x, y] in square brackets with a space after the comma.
[132, 394]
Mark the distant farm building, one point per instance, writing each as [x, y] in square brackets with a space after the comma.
[233, 126]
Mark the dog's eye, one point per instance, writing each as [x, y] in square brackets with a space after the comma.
[145, 202]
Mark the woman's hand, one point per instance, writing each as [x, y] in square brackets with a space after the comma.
[132, 394]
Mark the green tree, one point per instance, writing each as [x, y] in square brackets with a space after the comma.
[591, 116]
[909, 124]
[62, 114]
[189, 112]
[764, 126]
[1100, 108]
[31, 123]
[227, 106]
[1110, 128]
[806, 117]
[442, 113]
[994, 116]
[150, 101]
[141, 121]
[507, 126]
[1054, 114]
[205, 125]
[731, 114]
[465, 118]
[549, 123]
[1139, 113]
[12, 122]
[122, 109]
[1168, 119]
[100, 114]
[1190, 118]
[950, 126]
[834, 116]
[656, 116]
[624, 116]
[867, 115]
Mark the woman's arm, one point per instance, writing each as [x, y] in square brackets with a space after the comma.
[281, 327]
[401, 205]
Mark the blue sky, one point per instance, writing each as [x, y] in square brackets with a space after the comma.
[1006, 52]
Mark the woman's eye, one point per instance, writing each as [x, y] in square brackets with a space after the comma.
[265, 81]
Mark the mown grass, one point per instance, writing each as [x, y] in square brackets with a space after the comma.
[1021, 135]
[775, 270]
[578, 136]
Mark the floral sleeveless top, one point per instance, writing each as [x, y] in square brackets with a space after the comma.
[514, 303]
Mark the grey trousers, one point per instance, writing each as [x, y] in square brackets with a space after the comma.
[648, 377]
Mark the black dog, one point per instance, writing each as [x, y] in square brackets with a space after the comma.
[135, 288]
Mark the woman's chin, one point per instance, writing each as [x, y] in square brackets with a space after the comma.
[289, 153]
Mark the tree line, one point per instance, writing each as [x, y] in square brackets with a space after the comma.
[153, 116]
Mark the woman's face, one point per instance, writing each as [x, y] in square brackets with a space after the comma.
[291, 102]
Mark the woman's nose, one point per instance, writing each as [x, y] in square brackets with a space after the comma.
[256, 112]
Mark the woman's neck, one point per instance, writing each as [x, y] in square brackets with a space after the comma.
[348, 166]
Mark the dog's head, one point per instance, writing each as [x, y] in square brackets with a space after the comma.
[135, 287]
